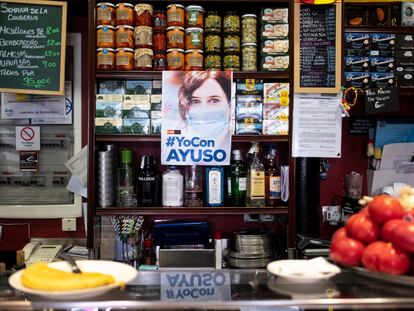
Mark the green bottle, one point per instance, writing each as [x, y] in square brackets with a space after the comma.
[126, 196]
[238, 178]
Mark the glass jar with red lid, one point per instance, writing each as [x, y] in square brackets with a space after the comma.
[159, 61]
[159, 41]
[143, 14]
[159, 20]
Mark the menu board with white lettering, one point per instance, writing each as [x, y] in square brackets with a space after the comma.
[318, 48]
[32, 46]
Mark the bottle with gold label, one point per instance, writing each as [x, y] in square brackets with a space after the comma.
[272, 178]
[255, 179]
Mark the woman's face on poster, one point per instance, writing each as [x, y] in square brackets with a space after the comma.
[209, 96]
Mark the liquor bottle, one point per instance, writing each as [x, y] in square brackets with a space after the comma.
[148, 181]
[149, 252]
[255, 180]
[126, 195]
[214, 195]
[172, 187]
[238, 174]
[272, 178]
[193, 186]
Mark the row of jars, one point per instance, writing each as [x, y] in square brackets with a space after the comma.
[143, 14]
[143, 37]
[174, 59]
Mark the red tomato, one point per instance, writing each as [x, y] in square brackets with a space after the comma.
[360, 226]
[384, 257]
[384, 208]
[339, 233]
[346, 251]
[387, 231]
[403, 236]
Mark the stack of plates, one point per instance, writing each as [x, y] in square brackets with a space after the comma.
[251, 249]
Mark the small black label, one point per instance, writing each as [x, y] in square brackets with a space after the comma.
[381, 100]
[358, 126]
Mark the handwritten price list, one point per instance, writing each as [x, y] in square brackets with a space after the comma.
[30, 46]
[317, 46]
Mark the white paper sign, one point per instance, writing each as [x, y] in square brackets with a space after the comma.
[317, 126]
[195, 286]
[27, 138]
[23, 106]
[196, 111]
[78, 165]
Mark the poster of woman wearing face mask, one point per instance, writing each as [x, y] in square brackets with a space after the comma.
[196, 111]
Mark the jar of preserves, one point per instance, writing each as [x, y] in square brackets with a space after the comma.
[124, 14]
[175, 15]
[124, 59]
[231, 23]
[143, 37]
[249, 57]
[175, 59]
[249, 28]
[124, 37]
[231, 62]
[194, 38]
[175, 37]
[105, 14]
[194, 16]
[143, 59]
[212, 22]
[231, 43]
[105, 36]
[212, 44]
[105, 59]
[159, 41]
[159, 20]
[194, 60]
[159, 62]
[143, 14]
[212, 62]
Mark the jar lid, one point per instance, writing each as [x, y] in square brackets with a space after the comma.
[125, 4]
[195, 8]
[106, 3]
[125, 26]
[193, 29]
[126, 156]
[174, 27]
[249, 44]
[125, 50]
[249, 15]
[105, 49]
[190, 51]
[176, 5]
[107, 27]
[172, 50]
[159, 52]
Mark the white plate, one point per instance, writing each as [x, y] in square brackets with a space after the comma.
[302, 270]
[122, 273]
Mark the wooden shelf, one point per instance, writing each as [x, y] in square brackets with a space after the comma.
[157, 138]
[148, 75]
[160, 211]
[396, 30]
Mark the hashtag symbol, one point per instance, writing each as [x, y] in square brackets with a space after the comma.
[170, 141]
[169, 293]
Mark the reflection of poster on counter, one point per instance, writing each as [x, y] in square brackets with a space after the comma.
[196, 117]
[317, 125]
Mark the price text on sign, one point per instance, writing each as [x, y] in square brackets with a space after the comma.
[317, 48]
[32, 46]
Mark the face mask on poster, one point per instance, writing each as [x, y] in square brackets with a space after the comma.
[208, 123]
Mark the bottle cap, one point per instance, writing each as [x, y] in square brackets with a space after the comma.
[148, 243]
[236, 154]
[217, 235]
[126, 156]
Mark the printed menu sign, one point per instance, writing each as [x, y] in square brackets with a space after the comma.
[318, 45]
[32, 46]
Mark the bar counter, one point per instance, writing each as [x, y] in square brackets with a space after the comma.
[245, 290]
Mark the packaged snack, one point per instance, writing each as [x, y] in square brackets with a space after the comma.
[279, 15]
[108, 125]
[275, 127]
[249, 86]
[136, 126]
[248, 126]
[357, 63]
[105, 109]
[138, 87]
[276, 93]
[249, 106]
[382, 64]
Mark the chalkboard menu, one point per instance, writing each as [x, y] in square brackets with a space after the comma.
[32, 46]
[318, 48]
